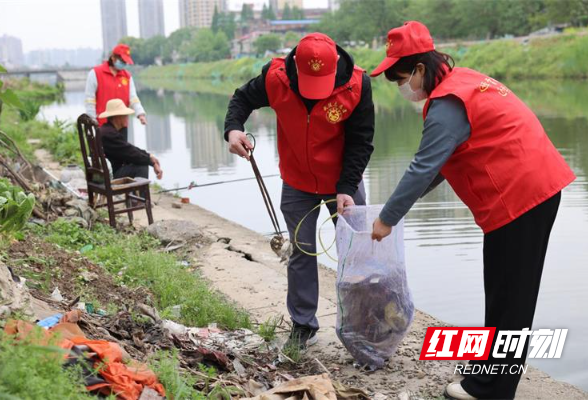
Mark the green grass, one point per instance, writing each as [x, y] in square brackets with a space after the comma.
[267, 329]
[30, 371]
[135, 260]
[177, 385]
[58, 137]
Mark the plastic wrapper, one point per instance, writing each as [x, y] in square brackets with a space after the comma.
[374, 304]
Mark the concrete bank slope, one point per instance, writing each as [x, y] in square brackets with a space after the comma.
[243, 267]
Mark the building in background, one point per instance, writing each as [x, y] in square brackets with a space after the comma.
[11, 52]
[334, 5]
[83, 57]
[237, 5]
[114, 23]
[198, 13]
[151, 18]
[280, 4]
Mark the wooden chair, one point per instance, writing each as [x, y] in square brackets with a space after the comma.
[98, 177]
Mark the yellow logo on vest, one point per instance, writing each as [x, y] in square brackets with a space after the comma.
[334, 112]
[316, 64]
[124, 81]
[488, 82]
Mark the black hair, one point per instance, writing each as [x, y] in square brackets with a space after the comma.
[436, 64]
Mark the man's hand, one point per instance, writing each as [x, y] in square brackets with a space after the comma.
[380, 230]
[239, 144]
[156, 166]
[344, 200]
[143, 119]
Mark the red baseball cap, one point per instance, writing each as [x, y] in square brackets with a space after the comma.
[124, 52]
[406, 40]
[316, 60]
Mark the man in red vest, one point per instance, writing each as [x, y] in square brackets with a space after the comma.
[325, 126]
[111, 80]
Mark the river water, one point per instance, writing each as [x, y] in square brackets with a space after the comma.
[443, 245]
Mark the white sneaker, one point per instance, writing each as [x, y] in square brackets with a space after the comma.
[455, 391]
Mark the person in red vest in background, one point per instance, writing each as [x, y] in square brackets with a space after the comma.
[493, 151]
[111, 80]
[325, 127]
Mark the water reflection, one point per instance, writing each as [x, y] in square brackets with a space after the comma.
[443, 245]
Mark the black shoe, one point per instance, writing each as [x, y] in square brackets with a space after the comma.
[302, 337]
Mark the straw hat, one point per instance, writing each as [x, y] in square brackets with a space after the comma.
[116, 107]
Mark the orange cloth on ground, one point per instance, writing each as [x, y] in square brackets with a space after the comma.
[126, 381]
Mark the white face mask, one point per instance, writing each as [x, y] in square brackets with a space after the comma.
[409, 94]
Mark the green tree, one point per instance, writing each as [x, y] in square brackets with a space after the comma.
[246, 13]
[174, 42]
[287, 12]
[7, 96]
[291, 39]
[206, 45]
[215, 18]
[267, 13]
[297, 13]
[270, 42]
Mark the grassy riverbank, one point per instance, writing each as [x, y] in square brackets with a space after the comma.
[130, 267]
[58, 137]
[562, 56]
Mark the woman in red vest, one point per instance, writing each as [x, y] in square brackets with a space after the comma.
[111, 80]
[496, 156]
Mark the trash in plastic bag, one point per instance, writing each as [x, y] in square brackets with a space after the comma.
[374, 303]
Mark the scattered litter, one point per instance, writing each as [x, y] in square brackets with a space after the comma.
[174, 328]
[50, 322]
[86, 248]
[348, 392]
[88, 276]
[309, 387]
[176, 311]
[56, 295]
[239, 368]
[14, 295]
[126, 379]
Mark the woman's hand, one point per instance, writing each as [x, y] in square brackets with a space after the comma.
[380, 230]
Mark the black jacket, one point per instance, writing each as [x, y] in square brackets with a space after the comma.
[120, 152]
[359, 127]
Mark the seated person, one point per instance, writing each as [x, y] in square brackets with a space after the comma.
[126, 160]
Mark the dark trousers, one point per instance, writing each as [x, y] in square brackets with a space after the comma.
[303, 286]
[513, 262]
[132, 171]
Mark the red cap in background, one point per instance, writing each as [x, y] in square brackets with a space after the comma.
[316, 60]
[124, 52]
[411, 38]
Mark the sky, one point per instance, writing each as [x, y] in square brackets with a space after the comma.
[70, 24]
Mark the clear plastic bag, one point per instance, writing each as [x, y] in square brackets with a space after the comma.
[374, 304]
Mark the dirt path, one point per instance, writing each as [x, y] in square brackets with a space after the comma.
[248, 272]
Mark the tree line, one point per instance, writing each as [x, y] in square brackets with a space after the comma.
[365, 21]
[451, 19]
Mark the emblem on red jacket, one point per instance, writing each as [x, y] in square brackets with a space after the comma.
[334, 112]
[124, 81]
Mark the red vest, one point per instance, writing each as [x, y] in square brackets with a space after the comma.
[311, 146]
[110, 87]
[508, 165]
